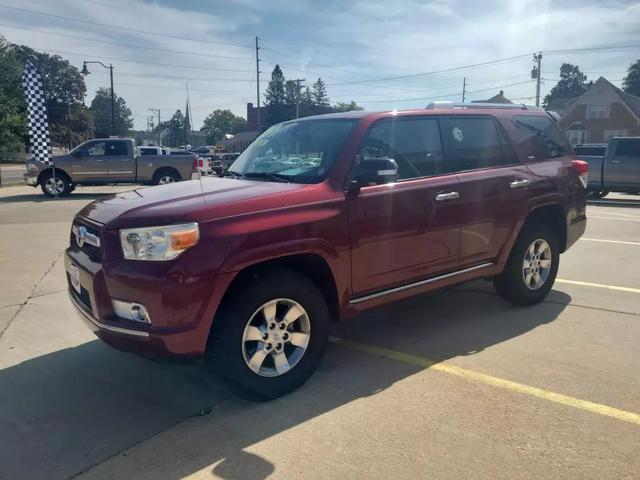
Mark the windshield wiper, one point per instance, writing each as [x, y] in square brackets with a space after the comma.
[278, 177]
[231, 173]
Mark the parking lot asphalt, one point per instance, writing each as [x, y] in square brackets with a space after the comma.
[455, 384]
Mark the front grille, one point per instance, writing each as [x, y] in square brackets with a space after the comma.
[93, 252]
[84, 297]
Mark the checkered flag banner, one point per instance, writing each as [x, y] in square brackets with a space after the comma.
[37, 118]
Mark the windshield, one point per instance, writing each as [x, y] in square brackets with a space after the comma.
[298, 151]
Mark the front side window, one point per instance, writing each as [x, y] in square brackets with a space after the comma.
[414, 143]
[95, 150]
[477, 143]
[545, 139]
[300, 151]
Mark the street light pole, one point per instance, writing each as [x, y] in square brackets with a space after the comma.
[85, 71]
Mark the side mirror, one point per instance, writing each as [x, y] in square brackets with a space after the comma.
[375, 171]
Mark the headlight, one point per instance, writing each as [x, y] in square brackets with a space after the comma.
[32, 167]
[158, 243]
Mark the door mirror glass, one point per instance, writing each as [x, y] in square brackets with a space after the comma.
[376, 171]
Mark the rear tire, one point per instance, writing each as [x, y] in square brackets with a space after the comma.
[55, 186]
[532, 266]
[597, 194]
[275, 312]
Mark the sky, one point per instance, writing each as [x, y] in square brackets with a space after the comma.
[357, 47]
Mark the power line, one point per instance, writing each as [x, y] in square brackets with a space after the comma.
[105, 25]
[169, 87]
[173, 77]
[126, 60]
[590, 49]
[157, 49]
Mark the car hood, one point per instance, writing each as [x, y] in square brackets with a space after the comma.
[192, 200]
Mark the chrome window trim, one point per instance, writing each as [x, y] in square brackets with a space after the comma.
[402, 288]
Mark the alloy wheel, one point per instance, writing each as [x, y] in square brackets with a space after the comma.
[165, 179]
[276, 337]
[54, 185]
[536, 265]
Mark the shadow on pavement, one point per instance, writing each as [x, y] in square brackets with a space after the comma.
[71, 409]
[40, 197]
[630, 201]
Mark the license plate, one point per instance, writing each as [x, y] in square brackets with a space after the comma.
[74, 275]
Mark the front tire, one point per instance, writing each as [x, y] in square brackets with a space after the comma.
[532, 266]
[57, 185]
[270, 334]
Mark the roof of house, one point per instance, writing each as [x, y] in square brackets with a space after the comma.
[630, 101]
[561, 104]
[499, 98]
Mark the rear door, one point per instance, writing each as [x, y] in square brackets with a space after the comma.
[622, 165]
[493, 185]
[404, 231]
[120, 162]
[89, 163]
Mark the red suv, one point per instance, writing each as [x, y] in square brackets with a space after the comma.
[322, 218]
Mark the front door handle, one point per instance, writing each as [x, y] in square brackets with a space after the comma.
[616, 161]
[521, 183]
[442, 197]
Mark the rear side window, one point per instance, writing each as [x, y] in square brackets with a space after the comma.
[414, 143]
[628, 148]
[116, 149]
[546, 140]
[590, 151]
[148, 151]
[476, 143]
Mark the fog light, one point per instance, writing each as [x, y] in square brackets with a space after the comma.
[131, 311]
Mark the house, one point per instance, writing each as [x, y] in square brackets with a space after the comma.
[603, 111]
[236, 143]
[499, 98]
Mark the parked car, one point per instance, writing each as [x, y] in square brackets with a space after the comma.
[249, 270]
[107, 161]
[227, 159]
[613, 167]
[201, 150]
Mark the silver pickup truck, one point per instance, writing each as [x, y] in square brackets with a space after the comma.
[613, 167]
[106, 161]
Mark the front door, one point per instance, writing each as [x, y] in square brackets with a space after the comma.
[120, 162]
[622, 166]
[407, 230]
[89, 163]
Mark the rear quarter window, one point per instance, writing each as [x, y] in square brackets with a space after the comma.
[590, 151]
[540, 137]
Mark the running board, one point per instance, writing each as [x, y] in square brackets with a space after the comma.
[418, 284]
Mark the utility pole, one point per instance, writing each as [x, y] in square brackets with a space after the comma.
[85, 72]
[536, 74]
[298, 89]
[464, 88]
[257, 84]
[157, 110]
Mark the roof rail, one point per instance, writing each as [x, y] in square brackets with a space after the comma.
[481, 105]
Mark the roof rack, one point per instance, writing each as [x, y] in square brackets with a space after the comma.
[481, 105]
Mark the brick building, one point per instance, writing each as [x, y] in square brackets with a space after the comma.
[602, 112]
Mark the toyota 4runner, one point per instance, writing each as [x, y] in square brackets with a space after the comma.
[322, 218]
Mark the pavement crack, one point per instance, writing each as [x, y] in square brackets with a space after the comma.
[30, 296]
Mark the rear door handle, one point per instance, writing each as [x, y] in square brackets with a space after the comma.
[442, 197]
[521, 183]
[616, 161]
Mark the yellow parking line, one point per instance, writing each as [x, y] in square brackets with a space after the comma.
[598, 285]
[622, 242]
[478, 377]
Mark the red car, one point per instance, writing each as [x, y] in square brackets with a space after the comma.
[322, 218]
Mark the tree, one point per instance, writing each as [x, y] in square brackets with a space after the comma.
[631, 83]
[220, 122]
[290, 92]
[275, 93]
[307, 98]
[101, 109]
[13, 123]
[320, 98]
[573, 83]
[64, 91]
[347, 107]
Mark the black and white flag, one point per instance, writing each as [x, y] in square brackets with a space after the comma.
[37, 119]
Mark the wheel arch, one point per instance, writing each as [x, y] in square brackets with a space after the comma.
[553, 215]
[48, 170]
